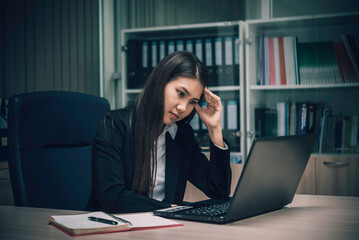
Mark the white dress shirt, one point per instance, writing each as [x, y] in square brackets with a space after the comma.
[159, 188]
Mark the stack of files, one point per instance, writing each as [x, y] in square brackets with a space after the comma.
[142, 58]
[289, 118]
[219, 53]
[134, 52]
[265, 122]
[337, 133]
[209, 61]
[277, 57]
[326, 136]
[221, 56]
[145, 69]
[229, 122]
[200, 130]
[295, 118]
[231, 74]
[346, 134]
[317, 63]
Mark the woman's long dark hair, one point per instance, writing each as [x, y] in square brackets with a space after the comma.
[150, 112]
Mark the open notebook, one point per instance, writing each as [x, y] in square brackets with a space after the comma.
[79, 224]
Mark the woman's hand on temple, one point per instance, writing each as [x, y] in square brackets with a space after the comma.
[211, 116]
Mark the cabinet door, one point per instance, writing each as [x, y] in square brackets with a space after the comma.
[337, 175]
[307, 183]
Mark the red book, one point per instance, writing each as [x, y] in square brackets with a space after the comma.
[271, 61]
[283, 80]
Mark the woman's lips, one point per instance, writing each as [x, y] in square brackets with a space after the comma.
[175, 116]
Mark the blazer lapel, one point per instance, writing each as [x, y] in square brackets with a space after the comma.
[173, 154]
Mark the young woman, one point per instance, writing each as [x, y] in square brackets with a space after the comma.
[144, 154]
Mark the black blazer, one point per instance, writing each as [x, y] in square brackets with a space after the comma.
[113, 170]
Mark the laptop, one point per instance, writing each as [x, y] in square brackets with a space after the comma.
[268, 182]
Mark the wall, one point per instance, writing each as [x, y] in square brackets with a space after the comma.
[283, 8]
[286, 8]
[49, 45]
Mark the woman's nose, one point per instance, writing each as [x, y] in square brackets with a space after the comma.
[181, 107]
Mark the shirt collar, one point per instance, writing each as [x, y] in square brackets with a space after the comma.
[172, 129]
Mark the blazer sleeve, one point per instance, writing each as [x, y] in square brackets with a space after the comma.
[112, 168]
[213, 177]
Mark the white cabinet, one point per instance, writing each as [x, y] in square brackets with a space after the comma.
[333, 168]
[218, 45]
[328, 90]
[320, 84]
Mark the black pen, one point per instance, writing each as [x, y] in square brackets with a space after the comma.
[102, 220]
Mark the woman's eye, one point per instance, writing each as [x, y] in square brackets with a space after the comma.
[193, 102]
[181, 94]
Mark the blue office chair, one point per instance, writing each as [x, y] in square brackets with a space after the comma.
[50, 137]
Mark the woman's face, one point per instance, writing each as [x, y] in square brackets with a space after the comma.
[181, 94]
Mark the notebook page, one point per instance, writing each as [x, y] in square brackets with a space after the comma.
[146, 220]
[80, 221]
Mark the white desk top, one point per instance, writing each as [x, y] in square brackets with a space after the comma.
[308, 217]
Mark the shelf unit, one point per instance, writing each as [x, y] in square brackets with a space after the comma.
[341, 98]
[198, 31]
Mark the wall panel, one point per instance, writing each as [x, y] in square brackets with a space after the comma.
[49, 45]
[2, 83]
[95, 69]
[9, 47]
[20, 73]
[29, 49]
[57, 48]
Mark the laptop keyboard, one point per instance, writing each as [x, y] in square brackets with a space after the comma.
[213, 210]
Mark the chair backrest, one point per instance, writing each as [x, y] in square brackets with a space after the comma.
[50, 137]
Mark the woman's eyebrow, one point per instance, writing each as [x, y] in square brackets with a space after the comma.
[186, 91]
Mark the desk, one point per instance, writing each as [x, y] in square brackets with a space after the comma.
[308, 217]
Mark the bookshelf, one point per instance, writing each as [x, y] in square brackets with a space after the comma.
[326, 87]
[318, 81]
[219, 46]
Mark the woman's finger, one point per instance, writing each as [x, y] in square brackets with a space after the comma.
[212, 99]
[211, 96]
